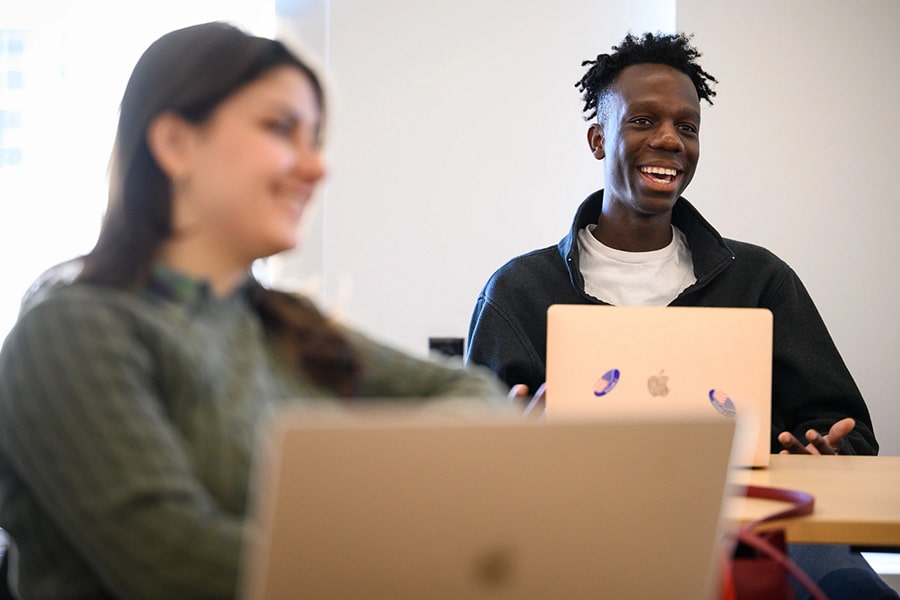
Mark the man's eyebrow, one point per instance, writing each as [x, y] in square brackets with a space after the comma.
[692, 114]
[652, 106]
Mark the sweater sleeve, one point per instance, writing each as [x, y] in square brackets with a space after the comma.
[86, 436]
[390, 373]
[812, 387]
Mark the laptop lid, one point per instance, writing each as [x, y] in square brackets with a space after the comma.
[719, 359]
[399, 506]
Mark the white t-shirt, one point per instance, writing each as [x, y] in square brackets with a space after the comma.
[622, 278]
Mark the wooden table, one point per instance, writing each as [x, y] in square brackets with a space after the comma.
[857, 498]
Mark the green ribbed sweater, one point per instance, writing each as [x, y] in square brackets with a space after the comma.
[128, 423]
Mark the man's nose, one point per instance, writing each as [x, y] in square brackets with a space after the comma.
[666, 138]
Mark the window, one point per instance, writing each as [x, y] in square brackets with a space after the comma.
[12, 81]
[63, 67]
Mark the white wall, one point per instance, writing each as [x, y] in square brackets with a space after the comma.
[800, 153]
[457, 142]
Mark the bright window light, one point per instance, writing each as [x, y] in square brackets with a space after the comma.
[63, 68]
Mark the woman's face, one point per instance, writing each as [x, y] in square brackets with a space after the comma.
[250, 170]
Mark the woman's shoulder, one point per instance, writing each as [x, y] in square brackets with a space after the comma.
[86, 298]
[74, 307]
[68, 328]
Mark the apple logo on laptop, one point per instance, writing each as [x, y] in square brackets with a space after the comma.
[606, 382]
[722, 403]
[495, 567]
[658, 384]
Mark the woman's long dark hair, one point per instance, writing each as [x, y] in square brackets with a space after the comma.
[190, 71]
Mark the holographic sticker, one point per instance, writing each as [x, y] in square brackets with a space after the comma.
[722, 403]
[606, 382]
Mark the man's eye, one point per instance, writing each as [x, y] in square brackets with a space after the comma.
[688, 127]
[641, 121]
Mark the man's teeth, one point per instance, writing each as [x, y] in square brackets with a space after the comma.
[660, 173]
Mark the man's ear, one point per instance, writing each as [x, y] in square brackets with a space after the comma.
[595, 140]
[169, 139]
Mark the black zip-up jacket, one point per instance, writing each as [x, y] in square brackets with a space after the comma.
[811, 386]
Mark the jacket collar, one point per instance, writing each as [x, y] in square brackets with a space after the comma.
[710, 253]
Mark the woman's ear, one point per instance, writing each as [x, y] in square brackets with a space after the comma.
[169, 139]
[595, 140]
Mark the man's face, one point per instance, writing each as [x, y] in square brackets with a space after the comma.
[649, 137]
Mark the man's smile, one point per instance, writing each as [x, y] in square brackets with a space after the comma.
[659, 174]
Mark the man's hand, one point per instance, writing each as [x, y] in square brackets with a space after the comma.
[829, 443]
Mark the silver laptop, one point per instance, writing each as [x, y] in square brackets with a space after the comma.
[480, 506]
[717, 359]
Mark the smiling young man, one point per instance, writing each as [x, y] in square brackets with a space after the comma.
[638, 242]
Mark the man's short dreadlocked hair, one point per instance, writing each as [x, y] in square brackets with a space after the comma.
[674, 50]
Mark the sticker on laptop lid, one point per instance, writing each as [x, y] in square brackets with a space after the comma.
[722, 402]
[606, 383]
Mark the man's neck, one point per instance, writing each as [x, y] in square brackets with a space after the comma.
[634, 234]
